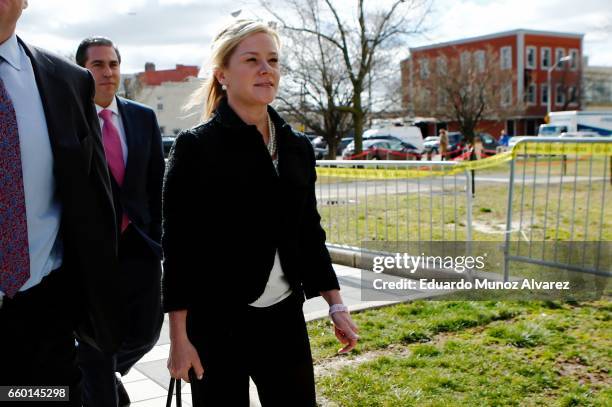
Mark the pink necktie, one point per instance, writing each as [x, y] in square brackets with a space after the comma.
[114, 153]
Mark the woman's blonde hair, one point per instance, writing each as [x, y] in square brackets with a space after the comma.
[223, 46]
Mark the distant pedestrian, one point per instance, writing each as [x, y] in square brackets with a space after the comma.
[504, 138]
[443, 144]
[243, 245]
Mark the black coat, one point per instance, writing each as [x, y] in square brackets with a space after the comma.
[88, 228]
[226, 211]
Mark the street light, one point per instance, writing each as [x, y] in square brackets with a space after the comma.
[549, 85]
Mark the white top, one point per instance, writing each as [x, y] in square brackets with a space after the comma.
[118, 125]
[277, 287]
[43, 207]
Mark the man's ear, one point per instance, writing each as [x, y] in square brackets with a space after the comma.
[25, 4]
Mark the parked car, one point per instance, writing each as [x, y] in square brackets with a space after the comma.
[489, 144]
[167, 142]
[321, 148]
[432, 144]
[407, 134]
[456, 144]
[383, 149]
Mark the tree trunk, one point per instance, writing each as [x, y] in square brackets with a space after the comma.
[358, 121]
[332, 146]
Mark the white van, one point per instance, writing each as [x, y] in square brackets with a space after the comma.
[408, 134]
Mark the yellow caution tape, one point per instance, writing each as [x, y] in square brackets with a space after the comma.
[426, 169]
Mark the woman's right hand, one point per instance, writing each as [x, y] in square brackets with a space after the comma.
[184, 356]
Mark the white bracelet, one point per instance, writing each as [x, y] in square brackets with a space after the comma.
[337, 308]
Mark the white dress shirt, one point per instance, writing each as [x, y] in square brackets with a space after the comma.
[118, 125]
[43, 207]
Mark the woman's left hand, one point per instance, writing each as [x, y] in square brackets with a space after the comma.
[345, 330]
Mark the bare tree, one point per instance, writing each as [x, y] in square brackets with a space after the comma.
[465, 88]
[359, 42]
[316, 91]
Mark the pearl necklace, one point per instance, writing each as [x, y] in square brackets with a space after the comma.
[272, 137]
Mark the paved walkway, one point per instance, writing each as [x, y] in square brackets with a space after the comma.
[147, 382]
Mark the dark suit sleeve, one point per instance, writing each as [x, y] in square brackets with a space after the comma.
[155, 179]
[318, 274]
[102, 328]
[178, 209]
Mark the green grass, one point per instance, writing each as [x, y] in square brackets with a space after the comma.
[454, 353]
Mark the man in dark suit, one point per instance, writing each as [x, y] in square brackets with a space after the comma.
[58, 237]
[133, 147]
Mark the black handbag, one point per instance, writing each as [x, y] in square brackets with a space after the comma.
[194, 390]
[171, 390]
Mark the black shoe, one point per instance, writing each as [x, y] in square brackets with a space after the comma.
[124, 399]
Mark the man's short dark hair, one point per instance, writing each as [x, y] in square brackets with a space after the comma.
[81, 54]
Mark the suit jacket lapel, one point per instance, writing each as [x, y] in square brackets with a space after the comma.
[130, 134]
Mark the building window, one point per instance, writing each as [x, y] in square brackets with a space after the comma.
[465, 60]
[506, 57]
[479, 60]
[574, 61]
[531, 58]
[544, 94]
[506, 94]
[160, 107]
[176, 131]
[559, 53]
[571, 93]
[530, 96]
[441, 65]
[441, 97]
[545, 57]
[559, 95]
[162, 129]
[424, 68]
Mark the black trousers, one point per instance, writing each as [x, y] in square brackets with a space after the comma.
[37, 345]
[143, 318]
[268, 344]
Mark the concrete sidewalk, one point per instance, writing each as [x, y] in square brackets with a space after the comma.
[147, 382]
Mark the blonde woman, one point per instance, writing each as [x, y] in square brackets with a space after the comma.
[242, 241]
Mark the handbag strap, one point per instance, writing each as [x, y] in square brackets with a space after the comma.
[171, 390]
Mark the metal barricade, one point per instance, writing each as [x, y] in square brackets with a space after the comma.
[558, 212]
[362, 200]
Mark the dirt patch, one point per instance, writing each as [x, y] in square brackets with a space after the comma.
[576, 368]
[495, 227]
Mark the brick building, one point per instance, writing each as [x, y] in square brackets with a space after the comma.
[166, 91]
[529, 54]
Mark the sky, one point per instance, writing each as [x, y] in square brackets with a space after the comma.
[170, 32]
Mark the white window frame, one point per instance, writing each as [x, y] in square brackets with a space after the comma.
[543, 102]
[503, 63]
[506, 91]
[535, 57]
[441, 65]
[532, 89]
[542, 59]
[424, 68]
[464, 60]
[559, 53]
[479, 60]
[559, 94]
[575, 59]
